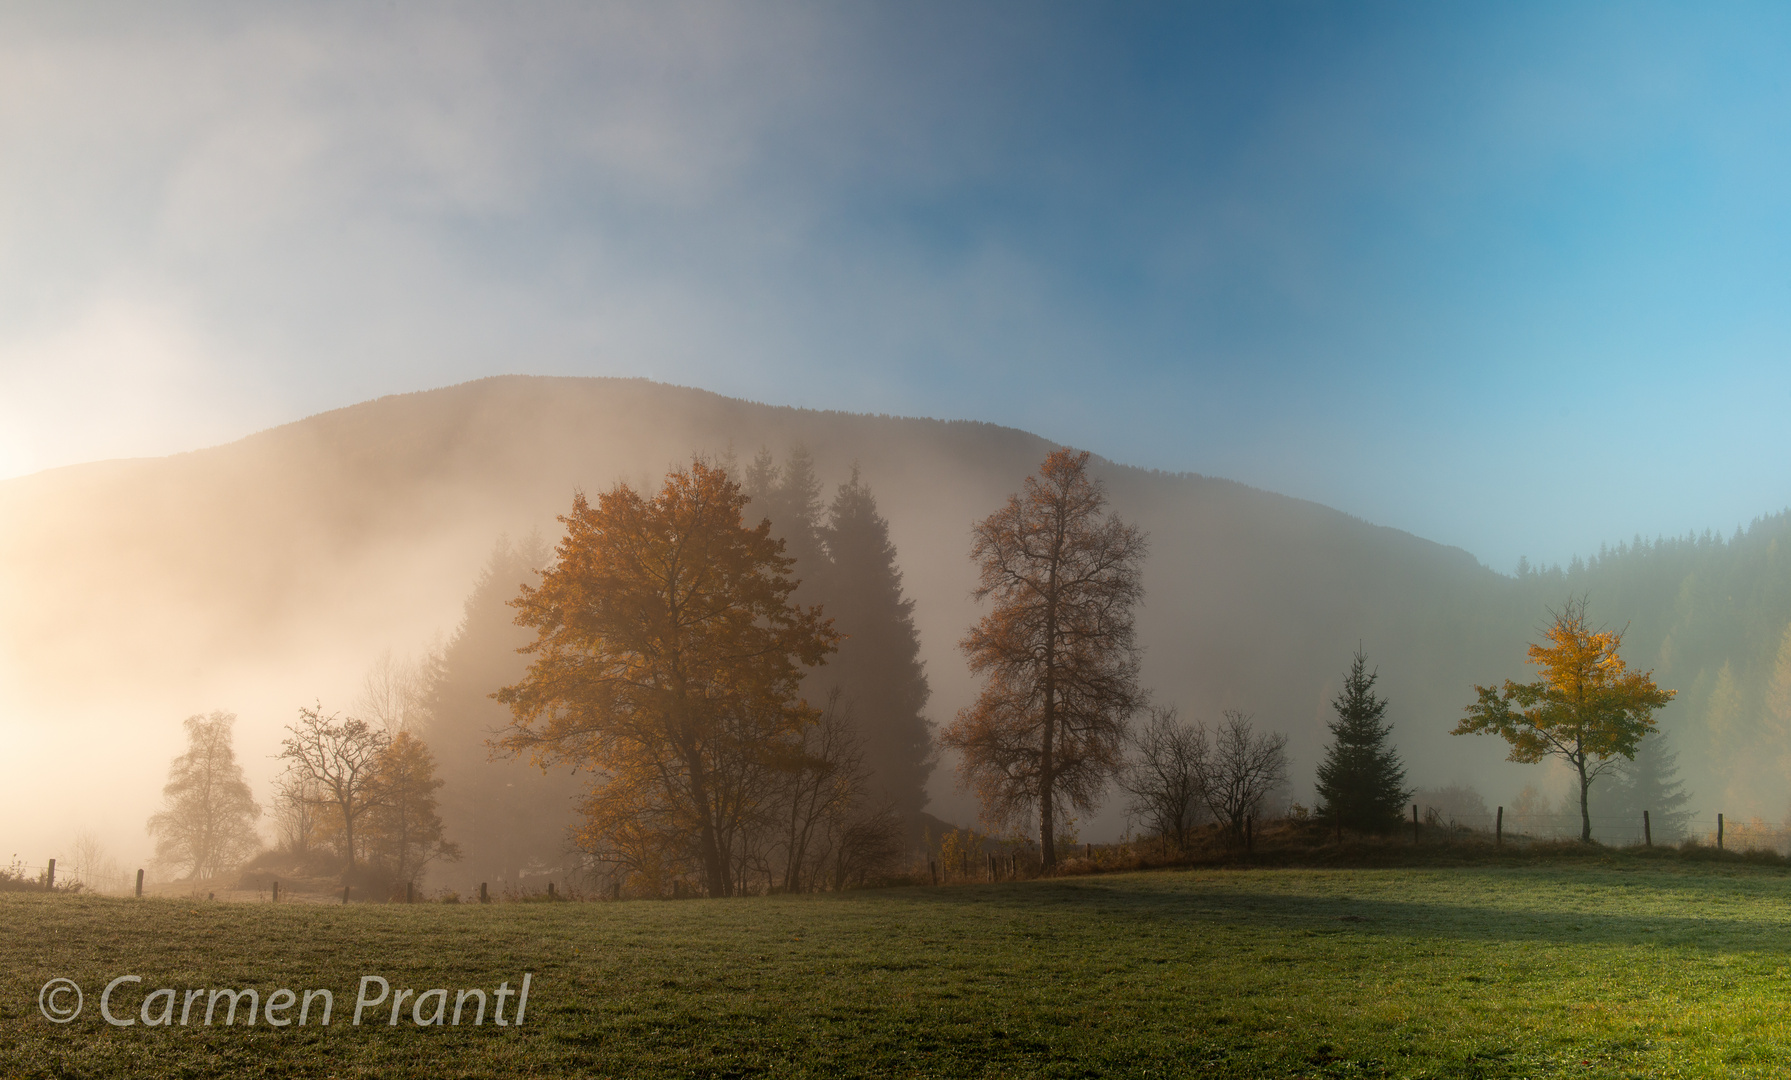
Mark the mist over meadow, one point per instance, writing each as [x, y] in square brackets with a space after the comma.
[292, 568]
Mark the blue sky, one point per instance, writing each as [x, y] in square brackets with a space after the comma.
[1513, 277]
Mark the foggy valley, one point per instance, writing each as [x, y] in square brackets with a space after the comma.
[276, 572]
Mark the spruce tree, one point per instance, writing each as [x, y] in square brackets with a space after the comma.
[878, 666]
[847, 564]
[509, 817]
[1650, 782]
[1361, 781]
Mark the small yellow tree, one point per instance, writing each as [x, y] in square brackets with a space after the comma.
[1588, 708]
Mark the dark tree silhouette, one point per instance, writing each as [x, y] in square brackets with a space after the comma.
[846, 563]
[878, 666]
[509, 817]
[1650, 782]
[1361, 782]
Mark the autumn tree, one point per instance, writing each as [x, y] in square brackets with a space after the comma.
[1588, 708]
[1361, 783]
[335, 763]
[1057, 651]
[668, 659]
[207, 821]
[404, 832]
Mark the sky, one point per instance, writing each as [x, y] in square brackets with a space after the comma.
[1511, 277]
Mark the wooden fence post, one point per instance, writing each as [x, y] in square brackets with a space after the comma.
[50, 882]
[933, 869]
[550, 892]
[1719, 841]
[484, 897]
[1414, 823]
[1499, 829]
[1647, 831]
[139, 884]
[276, 891]
[345, 894]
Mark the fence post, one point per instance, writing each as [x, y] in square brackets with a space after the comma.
[550, 893]
[345, 894]
[484, 897]
[410, 896]
[1719, 842]
[139, 884]
[1499, 828]
[1414, 823]
[50, 882]
[933, 869]
[276, 891]
[1647, 831]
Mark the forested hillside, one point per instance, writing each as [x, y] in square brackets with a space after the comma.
[262, 575]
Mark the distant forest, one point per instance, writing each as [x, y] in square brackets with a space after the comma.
[1712, 616]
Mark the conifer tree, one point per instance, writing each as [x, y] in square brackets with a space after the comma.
[878, 666]
[1651, 783]
[846, 563]
[509, 817]
[1361, 781]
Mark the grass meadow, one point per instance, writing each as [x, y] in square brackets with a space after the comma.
[1603, 966]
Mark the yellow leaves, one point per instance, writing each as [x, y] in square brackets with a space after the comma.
[1587, 704]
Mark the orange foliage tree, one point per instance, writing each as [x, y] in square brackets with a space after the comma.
[1588, 708]
[1057, 651]
[668, 659]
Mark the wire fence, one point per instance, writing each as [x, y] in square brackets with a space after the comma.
[106, 878]
[1719, 830]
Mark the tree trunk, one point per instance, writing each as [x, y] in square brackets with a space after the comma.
[1585, 816]
[1047, 826]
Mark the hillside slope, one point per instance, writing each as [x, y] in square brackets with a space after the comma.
[265, 573]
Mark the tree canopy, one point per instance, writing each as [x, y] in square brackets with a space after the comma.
[1057, 651]
[1588, 708]
[668, 659]
[207, 821]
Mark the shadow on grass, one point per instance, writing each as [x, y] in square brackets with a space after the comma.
[1151, 901]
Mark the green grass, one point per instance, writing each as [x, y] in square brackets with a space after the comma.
[1598, 967]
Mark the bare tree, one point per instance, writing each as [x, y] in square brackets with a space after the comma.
[296, 810]
[338, 762]
[1164, 776]
[1058, 652]
[394, 694]
[206, 824]
[822, 785]
[1243, 769]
